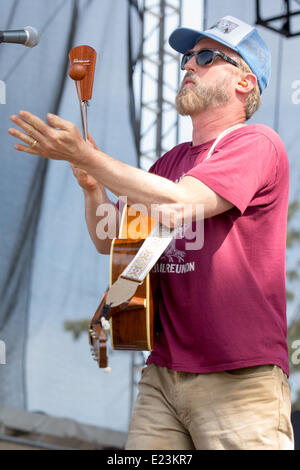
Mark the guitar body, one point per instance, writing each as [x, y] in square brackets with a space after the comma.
[132, 325]
[131, 328]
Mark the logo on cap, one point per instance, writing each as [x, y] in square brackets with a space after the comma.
[225, 26]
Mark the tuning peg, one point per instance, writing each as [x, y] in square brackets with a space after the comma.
[105, 324]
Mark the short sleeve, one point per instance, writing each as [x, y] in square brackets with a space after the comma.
[153, 168]
[240, 166]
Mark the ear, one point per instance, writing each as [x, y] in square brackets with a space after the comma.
[246, 84]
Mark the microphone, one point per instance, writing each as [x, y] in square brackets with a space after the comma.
[28, 36]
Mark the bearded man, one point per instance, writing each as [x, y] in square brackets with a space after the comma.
[218, 375]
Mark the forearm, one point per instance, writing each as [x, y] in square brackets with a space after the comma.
[170, 203]
[98, 208]
[124, 180]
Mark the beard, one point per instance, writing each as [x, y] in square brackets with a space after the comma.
[200, 97]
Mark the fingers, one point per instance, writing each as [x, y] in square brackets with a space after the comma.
[27, 139]
[91, 140]
[33, 128]
[60, 140]
[40, 125]
[75, 172]
[58, 122]
[26, 149]
[34, 123]
[29, 136]
[78, 171]
[36, 127]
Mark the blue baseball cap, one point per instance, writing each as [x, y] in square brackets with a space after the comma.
[238, 36]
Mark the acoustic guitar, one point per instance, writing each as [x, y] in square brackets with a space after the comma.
[131, 327]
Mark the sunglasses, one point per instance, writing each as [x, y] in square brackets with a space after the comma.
[206, 57]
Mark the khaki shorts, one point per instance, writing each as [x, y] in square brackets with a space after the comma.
[244, 409]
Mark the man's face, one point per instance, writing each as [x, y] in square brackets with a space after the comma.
[207, 87]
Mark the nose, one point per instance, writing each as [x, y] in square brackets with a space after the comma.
[191, 65]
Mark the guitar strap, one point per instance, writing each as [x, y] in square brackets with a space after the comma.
[155, 244]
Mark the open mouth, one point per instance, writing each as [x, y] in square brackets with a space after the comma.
[188, 82]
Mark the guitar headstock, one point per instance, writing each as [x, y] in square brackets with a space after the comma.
[98, 340]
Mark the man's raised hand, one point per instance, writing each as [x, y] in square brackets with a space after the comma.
[57, 140]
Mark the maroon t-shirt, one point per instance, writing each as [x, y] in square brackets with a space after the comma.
[223, 306]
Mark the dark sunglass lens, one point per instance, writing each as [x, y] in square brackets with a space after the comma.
[185, 59]
[205, 58]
